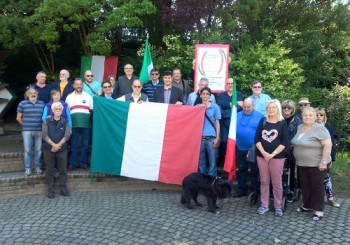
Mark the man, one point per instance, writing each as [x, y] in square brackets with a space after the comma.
[80, 104]
[210, 135]
[150, 87]
[56, 133]
[124, 83]
[43, 89]
[260, 99]
[247, 123]
[136, 96]
[29, 113]
[225, 103]
[107, 90]
[91, 87]
[194, 97]
[181, 84]
[64, 86]
[168, 94]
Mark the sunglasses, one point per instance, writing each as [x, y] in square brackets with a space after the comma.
[137, 86]
[320, 115]
[89, 75]
[286, 108]
[106, 86]
[306, 104]
[257, 87]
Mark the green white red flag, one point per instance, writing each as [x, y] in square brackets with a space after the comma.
[147, 64]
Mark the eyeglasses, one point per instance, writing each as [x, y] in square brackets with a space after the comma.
[304, 104]
[89, 75]
[106, 86]
[128, 68]
[155, 74]
[256, 86]
[286, 108]
[229, 84]
[272, 108]
[205, 94]
[137, 86]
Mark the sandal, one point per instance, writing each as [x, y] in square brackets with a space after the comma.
[303, 210]
[317, 217]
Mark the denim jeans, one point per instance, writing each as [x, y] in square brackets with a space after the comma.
[84, 133]
[207, 158]
[32, 140]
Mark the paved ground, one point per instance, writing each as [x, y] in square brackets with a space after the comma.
[157, 217]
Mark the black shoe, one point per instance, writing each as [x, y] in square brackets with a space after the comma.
[290, 197]
[51, 195]
[65, 193]
[239, 194]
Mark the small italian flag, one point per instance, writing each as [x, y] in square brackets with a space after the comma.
[150, 141]
[230, 158]
[102, 67]
[147, 65]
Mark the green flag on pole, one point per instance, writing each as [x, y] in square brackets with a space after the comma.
[147, 65]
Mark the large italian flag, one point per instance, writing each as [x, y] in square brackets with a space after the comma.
[230, 158]
[149, 141]
[101, 66]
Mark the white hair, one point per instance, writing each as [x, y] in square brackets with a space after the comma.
[56, 104]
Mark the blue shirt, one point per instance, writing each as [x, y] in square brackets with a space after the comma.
[167, 94]
[31, 114]
[260, 102]
[224, 101]
[95, 86]
[213, 112]
[193, 96]
[149, 89]
[246, 128]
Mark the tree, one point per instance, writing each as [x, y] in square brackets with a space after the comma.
[98, 24]
[280, 75]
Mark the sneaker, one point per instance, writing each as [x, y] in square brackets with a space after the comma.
[278, 212]
[262, 210]
[333, 203]
[27, 172]
[38, 171]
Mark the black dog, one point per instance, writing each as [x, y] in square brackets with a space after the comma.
[211, 187]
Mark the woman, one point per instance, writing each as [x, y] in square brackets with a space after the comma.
[293, 121]
[271, 139]
[312, 151]
[56, 97]
[112, 80]
[321, 118]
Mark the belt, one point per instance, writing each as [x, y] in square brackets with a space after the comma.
[208, 137]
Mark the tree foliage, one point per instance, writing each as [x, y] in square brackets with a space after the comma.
[280, 75]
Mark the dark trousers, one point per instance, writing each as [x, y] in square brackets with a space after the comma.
[59, 158]
[312, 188]
[242, 172]
[224, 130]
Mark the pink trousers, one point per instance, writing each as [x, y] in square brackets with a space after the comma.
[271, 171]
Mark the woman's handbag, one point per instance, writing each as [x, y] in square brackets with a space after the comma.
[251, 157]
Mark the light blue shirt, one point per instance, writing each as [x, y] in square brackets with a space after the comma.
[214, 113]
[95, 86]
[260, 102]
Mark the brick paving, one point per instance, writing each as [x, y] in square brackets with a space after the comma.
[157, 217]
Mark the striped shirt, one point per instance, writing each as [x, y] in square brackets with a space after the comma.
[31, 114]
[80, 106]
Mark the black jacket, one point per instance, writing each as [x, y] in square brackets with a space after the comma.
[175, 96]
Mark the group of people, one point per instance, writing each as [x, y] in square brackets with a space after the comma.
[278, 136]
[60, 113]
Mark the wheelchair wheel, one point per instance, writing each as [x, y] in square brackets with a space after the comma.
[253, 198]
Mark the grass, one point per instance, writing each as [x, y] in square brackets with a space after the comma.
[340, 171]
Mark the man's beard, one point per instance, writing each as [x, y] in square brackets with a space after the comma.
[33, 99]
